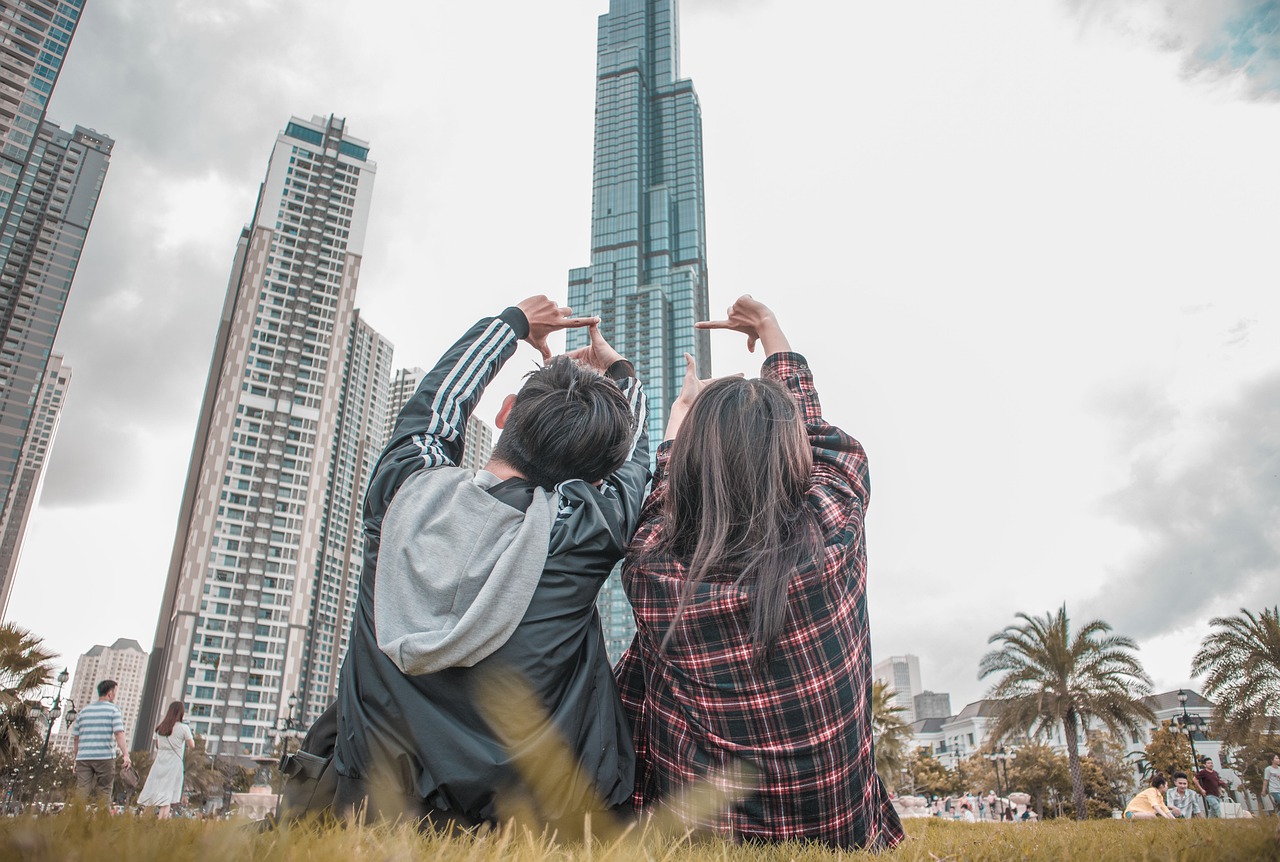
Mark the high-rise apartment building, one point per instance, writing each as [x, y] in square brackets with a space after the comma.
[266, 507]
[125, 661]
[479, 436]
[43, 233]
[34, 38]
[479, 445]
[29, 477]
[901, 674]
[931, 704]
[49, 184]
[361, 437]
[648, 273]
[403, 384]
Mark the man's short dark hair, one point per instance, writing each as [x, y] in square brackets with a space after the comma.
[1179, 774]
[568, 422]
[105, 687]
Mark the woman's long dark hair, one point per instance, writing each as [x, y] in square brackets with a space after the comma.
[737, 481]
[171, 717]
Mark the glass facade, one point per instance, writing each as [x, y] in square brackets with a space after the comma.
[46, 225]
[648, 273]
[49, 184]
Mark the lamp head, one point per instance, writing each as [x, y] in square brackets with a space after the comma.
[1182, 697]
[63, 677]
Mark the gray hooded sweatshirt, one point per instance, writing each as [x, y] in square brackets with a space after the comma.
[456, 570]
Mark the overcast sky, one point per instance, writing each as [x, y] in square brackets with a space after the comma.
[1027, 245]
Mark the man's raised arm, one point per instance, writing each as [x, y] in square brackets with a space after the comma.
[631, 480]
[430, 429]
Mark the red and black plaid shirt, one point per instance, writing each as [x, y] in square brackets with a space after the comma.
[804, 721]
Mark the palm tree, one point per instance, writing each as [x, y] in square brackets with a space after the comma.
[1242, 661]
[890, 733]
[25, 668]
[1051, 677]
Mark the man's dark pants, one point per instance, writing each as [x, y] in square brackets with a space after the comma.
[95, 778]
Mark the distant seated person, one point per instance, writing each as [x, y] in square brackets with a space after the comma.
[966, 813]
[1182, 800]
[1149, 804]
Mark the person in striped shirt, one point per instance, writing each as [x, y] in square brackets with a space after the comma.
[98, 731]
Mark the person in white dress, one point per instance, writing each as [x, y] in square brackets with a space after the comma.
[164, 781]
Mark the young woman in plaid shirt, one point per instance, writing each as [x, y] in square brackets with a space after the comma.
[747, 576]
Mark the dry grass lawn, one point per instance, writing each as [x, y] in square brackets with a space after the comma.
[75, 837]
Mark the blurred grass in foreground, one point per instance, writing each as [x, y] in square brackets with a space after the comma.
[78, 837]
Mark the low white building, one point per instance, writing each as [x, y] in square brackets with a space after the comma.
[958, 737]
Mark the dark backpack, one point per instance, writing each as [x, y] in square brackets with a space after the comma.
[310, 778]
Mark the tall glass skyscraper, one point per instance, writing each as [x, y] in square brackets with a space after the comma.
[648, 272]
[44, 231]
[49, 185]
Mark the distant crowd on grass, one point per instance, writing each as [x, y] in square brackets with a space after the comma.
[1184, 802]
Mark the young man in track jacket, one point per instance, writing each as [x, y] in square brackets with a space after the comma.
[471, 572]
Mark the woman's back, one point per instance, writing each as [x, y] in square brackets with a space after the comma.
[704, 696]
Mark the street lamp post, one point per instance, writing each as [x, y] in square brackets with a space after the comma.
[1001, 756]
[289, 727]
[54, 714]
[1190, 724]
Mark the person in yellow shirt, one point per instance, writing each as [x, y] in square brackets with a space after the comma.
[1149, 804]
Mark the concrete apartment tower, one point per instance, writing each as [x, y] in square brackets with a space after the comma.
[901, 673]
[361, 437]
[648, 273]
[125, 661]
[29, 477]
[260, 578]
[49, 185]
[479, 436]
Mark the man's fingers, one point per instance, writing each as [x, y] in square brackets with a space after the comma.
[712, 324]
[540, 344]
[751, 343]
[576, 322]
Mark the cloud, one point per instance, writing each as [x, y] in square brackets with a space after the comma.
[1226, 40]
[193, 95]
[1206, 504]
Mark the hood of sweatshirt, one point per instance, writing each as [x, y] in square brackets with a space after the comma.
[456, 569]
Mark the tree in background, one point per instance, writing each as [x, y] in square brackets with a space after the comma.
[1051, 677]
[1240, 661]
[1248, 757]
[26, 668]
[889, 732]
[1041, 772]
[928, 777]
[977, 775]
[1170, 751]
[142, 763]
[1110, 754]
[205, 777]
